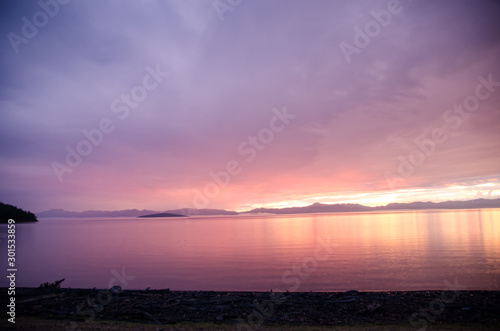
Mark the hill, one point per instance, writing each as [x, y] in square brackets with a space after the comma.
[133, 213]
[17, 214]
[202, 212]
[95, 213]
[340, 208]
[162, 215]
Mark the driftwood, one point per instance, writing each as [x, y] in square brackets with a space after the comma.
[41, 297]
[56, 284]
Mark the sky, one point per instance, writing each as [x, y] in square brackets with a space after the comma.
[240, 104]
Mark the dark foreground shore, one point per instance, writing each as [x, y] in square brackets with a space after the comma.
[83, 309]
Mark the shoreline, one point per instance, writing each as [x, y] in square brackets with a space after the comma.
[254, 310]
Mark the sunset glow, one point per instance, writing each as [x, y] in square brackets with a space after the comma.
[438, 194]
[169, 104]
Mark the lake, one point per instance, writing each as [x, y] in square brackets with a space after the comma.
[404, 250]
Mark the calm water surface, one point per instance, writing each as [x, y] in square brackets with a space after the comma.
[408, 250]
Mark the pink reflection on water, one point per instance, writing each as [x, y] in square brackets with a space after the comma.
[407, 250]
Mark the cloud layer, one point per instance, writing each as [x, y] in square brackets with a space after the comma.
[356, 117]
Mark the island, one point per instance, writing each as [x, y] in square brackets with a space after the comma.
[163, 215]
[17, 214]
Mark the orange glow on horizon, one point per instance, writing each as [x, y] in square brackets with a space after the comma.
[447, 193]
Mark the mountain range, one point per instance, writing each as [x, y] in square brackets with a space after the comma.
[314, 208]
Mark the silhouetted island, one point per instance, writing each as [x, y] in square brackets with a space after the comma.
[163, 215]
[17, 214]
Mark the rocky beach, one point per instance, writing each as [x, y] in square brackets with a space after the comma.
[110, 309]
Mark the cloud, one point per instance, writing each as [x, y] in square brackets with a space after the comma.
[353, 120]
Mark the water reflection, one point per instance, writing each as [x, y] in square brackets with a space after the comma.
[406, 250]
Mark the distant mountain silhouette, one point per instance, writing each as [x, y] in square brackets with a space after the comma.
[206, 212]
[471, 204]
[17, 214]
[95, 213]
[162, 215]
[132, 213]
[336, 208]
[314, 208]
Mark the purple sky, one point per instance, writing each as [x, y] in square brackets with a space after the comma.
[353, 117]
